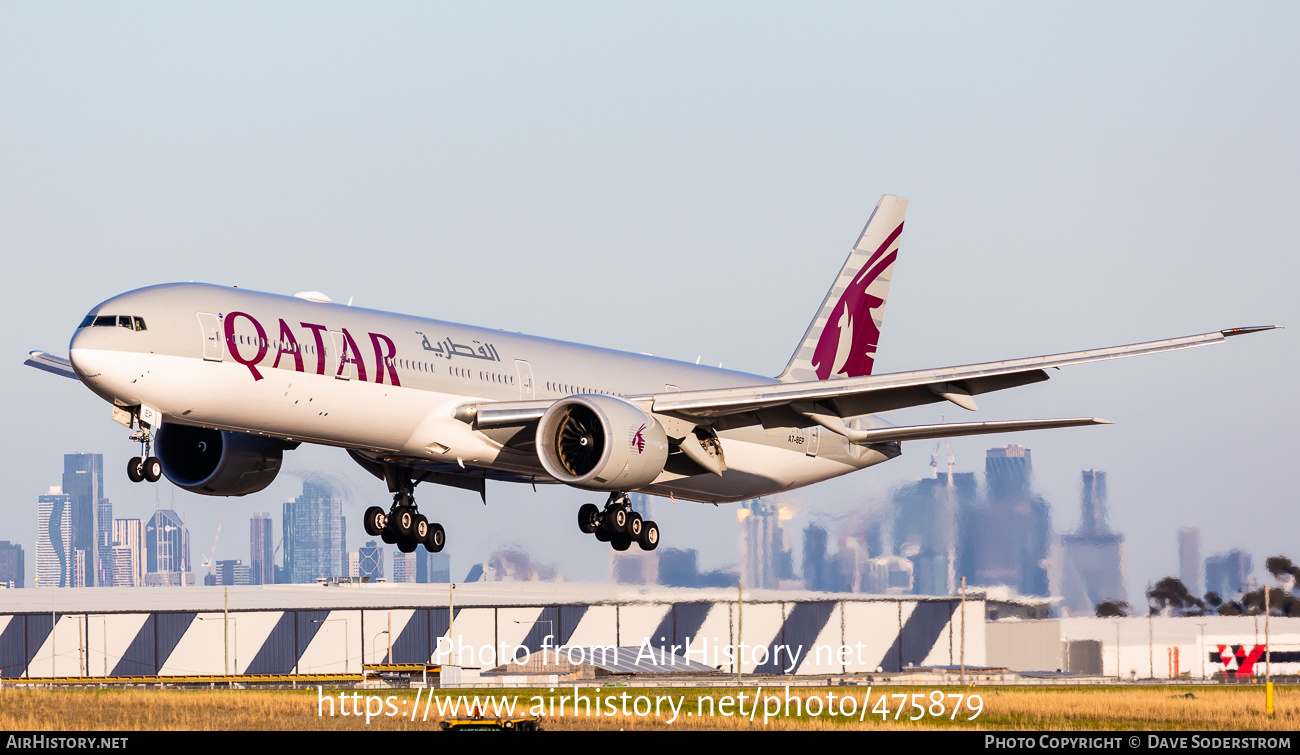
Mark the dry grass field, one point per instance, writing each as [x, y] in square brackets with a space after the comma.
[1005, 708]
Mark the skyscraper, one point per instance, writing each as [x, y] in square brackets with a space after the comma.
[925, 515]
[167, 550]
[128, 553]
[1093, 556]
[439, 567]
[54, 552]
[1189, 560]
[231, 572]
[261, 550]
[370, 561]
[422, 565]
[314, 544]
[83, 483]
[104, 543]
[403, 567]
[1007, 538]
[1228, 574]
[815, 567]
[11, 564]
[764, 557]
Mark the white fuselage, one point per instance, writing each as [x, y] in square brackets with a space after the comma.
[388, 385]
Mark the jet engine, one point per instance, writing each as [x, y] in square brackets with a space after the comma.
[599, 442]
[218, 462]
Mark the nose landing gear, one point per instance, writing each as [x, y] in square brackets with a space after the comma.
[141, 469]
[618, 524]
[146, 466]
[403, 524]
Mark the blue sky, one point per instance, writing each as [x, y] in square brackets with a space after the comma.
[685, 179]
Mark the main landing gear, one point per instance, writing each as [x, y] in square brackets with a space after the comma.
[404, 524]
[618, 524]
[146, 466]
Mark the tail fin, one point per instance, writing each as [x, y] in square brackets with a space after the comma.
[841, 340]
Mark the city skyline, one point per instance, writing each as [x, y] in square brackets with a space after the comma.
[764, 557]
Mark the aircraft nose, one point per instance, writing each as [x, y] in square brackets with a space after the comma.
[97, 364]
[81, 353]
[87, 363]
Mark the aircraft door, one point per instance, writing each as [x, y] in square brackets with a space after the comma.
[210, 326]
[526, 391]
[342, 370]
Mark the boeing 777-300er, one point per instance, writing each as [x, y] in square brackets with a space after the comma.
[217, 383]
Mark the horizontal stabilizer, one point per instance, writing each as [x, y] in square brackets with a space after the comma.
[956, 429]
[50, 363]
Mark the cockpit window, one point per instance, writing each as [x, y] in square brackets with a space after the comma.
[130, 322]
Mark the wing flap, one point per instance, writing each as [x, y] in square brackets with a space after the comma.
[889, 399]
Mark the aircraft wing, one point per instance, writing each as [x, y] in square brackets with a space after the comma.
[50, 363]
[875, 393]
[827, 402]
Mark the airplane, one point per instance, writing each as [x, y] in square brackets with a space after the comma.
[218, 382]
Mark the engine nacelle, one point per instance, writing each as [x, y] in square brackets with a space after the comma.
[600, 442]
[217, 462]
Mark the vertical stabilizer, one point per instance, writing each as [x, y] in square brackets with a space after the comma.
[842, 339]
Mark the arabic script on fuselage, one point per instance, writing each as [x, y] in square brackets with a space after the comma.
[448, 348]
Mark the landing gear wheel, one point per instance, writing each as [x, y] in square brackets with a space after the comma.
[634, 526]
[405, 521]
[406, 545]
[649, 539]
[436, 538]
[602, 535]
[420, 532]
[152, 469]
[374, 521]
[135, 469]
[621, 542]
[390, 534]
[616, 519]
[588, 518]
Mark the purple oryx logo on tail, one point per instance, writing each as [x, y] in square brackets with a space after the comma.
[847, 346]
[638, 440]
